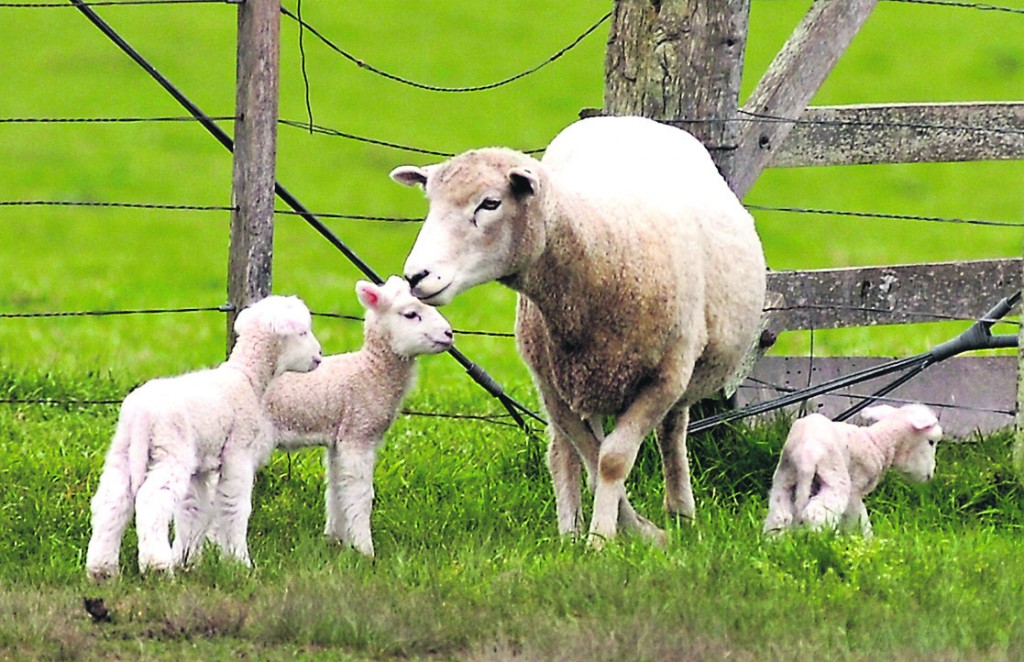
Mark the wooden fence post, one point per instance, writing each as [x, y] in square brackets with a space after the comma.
[255, 154]
[681, 61]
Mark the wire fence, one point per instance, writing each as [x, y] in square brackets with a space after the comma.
[305, 26]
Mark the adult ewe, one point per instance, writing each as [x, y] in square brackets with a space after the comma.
[179, 438]
[641, 282]
[351, 400]
[828, 467]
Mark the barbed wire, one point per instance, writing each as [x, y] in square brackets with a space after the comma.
[224, 308]
[114, 120]
[112, 3]
[112, 205]
[888, 311]
[982, 6]
[885, 216]
[440, 88]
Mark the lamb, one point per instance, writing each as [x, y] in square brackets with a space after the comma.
[641, 283]
[189, 445]
[352, 399]
[827, 468]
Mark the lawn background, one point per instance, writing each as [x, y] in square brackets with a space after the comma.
[469, 564]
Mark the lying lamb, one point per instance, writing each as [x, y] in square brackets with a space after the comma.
[180, 438]
[827, 468]
[641, 283]
[351, 400]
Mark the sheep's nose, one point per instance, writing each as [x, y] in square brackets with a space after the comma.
[415, 279]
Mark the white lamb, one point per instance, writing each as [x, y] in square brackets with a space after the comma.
[352, 399]
[827, 468]
[179, 439]
[641, 282]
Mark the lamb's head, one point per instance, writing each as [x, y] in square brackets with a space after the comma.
[410, 326]
[915, 430]
[483, 223]
[287, 321]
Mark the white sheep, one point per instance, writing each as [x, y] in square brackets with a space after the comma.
[641, 282]
[351, 400]
[828, 467]
[187, 447]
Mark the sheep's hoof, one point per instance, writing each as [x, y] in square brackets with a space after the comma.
[596, 541]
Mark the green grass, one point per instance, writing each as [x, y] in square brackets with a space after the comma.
[469, 563]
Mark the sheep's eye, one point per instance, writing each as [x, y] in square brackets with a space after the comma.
[489, 204]
[411, 315]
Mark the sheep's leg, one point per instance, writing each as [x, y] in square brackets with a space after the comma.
[234, 505]
[355, 492]
[111, 511]
[826, 507]
[780, 500]
[336, 525]
[570, 440]
[856, 517]
[619, 450]
[193, 519]
[155, 505]
[675, 464]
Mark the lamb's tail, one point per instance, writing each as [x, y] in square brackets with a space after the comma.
[804, 490]
[138, 431]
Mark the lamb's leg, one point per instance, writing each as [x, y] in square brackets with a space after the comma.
[336, 525]
[619, 450]
[111, 511]
[155, 505]
[675, 464]
[193, 519]
[355, 492]
[856, 517]
[233, 505]
[826, 507]
[780, 499]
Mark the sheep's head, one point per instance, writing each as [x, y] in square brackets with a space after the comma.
[410, 326]
[918, 432]
[288, 321]
[477, 228]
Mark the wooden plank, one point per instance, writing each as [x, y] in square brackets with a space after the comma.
[255, 155]
[970, 394]
[898, 294]
[903, 133]
[792, 80]
[679, 58]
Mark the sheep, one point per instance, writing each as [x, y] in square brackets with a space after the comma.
[827, 468]
[352, 399]
[188, 445]
[641, 282]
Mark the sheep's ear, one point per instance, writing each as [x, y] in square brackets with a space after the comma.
[370, 295]
[878, 412]
[524, 181]
[410, 175]
[922, 419]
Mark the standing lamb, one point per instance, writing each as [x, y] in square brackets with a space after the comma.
[351, 400]
[827, 468]
[180, 438]
[641, 282]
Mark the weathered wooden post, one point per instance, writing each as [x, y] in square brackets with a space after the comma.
[255, 154]
[1018, 439]
[680, 61]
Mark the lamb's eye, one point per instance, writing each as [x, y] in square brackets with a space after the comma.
[489, 204]
[931, 442]
[411, 315]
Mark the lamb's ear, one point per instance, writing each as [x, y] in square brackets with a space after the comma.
[410, 175]
[370, 295]
[878, 412]
[921, 419]
[524, 181]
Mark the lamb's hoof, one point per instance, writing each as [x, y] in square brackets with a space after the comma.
[103, 573]
[596, 541]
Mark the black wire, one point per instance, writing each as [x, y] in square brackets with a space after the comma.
[112, 3]
[893, 217]
[438, 88]
[963, 5]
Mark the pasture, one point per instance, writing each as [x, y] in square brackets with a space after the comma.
[469, 564]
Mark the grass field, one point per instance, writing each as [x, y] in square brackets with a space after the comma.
[469, 564]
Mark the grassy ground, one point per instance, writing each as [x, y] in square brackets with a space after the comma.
[469, 564]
